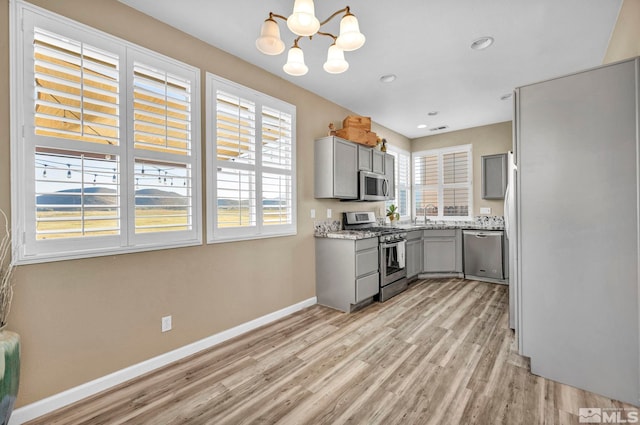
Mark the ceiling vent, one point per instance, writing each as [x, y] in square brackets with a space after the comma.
[442, 127]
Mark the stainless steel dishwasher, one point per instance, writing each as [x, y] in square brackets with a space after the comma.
[483, 253]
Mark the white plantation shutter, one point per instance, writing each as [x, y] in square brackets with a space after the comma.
[77, 194]
[162, 111]
[109, 159]
[277, 199]
[251, 166]
[235, 128]
[403, 181]
[236, 196]
[442, 182]
[77, 90]
[163, 108]
[455, 184]
[426, 185]
[276, 138]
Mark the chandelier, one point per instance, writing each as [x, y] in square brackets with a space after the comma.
[304, 23]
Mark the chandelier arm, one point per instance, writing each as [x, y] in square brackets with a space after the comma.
[346, 9]
[275, 15]
[328, 35]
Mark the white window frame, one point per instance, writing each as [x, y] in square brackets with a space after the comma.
[24, 17]
[397, 153]
[440, 185]
[217, 234]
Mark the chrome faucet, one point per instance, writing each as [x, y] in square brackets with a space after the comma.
[426, 208]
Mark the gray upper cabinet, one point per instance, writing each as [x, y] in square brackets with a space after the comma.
[371, 159]
[335, 168]
[378, 162]
[364, 158]
[390, 174]
[494, 176]
[337, 163]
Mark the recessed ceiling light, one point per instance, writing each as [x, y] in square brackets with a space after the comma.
[388, 78]
[432, 113]
[422, 126]
[481, 43]
[506, 96]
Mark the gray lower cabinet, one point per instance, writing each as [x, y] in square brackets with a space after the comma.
[442, 251]
[414, 254]
[335, 168]
[346, 272]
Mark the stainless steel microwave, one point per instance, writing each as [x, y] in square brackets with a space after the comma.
[373, 187]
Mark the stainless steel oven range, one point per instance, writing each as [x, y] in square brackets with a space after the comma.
[391, 250]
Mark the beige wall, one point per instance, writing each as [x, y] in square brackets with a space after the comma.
[625, 39]
[486, 140]
[82, 319]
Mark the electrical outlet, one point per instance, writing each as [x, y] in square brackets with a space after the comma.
[328, 212]
[166, 323]
[313, 213]
[485, 211]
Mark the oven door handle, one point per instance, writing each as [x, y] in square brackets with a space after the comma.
[389, 245]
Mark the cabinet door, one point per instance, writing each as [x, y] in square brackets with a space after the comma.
[494, 176]
[440, 254]
[414, 258]
[378, 161]
[390, 174]
[345, 169]
[365, 158]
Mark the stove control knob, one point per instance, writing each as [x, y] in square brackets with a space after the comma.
[388, 238]
[403, 235]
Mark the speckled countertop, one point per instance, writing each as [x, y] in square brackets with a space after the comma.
[332, 229]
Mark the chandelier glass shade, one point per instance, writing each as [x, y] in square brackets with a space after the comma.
[269, 41]
[295, 62]
[335, 63]
[303, 23]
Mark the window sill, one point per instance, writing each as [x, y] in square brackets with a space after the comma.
[50, 258]
[249, 238]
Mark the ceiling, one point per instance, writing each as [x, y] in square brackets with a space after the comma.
[426, 43]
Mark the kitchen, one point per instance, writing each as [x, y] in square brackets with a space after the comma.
[67, 319]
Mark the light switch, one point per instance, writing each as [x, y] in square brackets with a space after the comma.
[313, 213]
[328, 212]
[485, 211]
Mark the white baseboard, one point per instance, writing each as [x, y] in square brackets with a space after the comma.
[49, 404]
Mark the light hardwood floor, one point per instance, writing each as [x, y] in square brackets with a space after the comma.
[439, 353]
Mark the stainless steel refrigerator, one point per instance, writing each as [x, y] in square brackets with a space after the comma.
[577, 245]
[510, 218]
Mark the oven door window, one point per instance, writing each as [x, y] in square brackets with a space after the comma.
[394, 258]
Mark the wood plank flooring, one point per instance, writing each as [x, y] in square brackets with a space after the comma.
[439, 353]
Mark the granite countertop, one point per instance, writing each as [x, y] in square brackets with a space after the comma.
[333, 228]
[356, 235]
